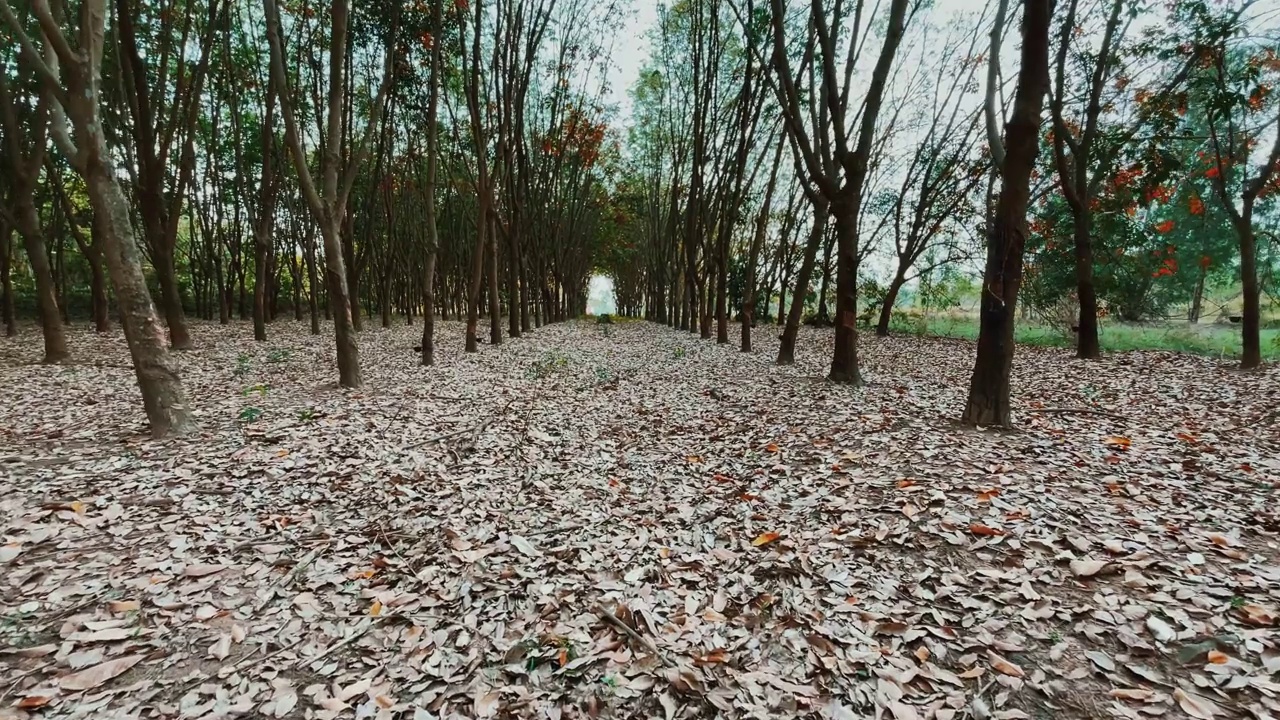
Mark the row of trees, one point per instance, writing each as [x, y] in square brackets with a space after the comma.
[429, 159]
[400, 158]
[774, 146]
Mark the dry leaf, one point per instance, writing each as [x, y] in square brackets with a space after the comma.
[1118, 442]
[1195, 705]
[1139, 694]
[1218, 658]
[196, 571]
[765, 538]
[90, 678]
[31, 702]
[983, 530]
[1088, 568]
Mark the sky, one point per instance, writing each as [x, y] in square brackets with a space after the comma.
[630, 48]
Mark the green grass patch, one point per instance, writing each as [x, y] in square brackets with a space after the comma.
[1213, 340]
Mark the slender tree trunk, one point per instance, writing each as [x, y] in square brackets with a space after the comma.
[477, 273]
[495, 298]
[55, 340]
[787, 347]
[340, 302]
[890, 298]
[1197, 298]
[844, 361]
[6, 281]
[1087, 345]
[1251, 324]
[313, 282]
[989, 391]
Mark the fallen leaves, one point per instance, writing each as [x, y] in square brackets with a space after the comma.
[904, 566]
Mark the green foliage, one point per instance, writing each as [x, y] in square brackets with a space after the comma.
[278, 355]
[551, 362]
[250, 413]
[242, 367]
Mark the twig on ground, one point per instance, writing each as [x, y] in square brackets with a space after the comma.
[13, 683]
[288, 578]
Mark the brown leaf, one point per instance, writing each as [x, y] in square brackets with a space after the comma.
[985, 531]
[31, 702]
[1218, 658]
[765, 538]
[196, 571]
[90, 678]
[1118, 442]
[1003, 666]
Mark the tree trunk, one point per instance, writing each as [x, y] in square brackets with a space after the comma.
[55, 341]
[6, 281]
[1250, 326]
[157, 374]
[343, 325]
[1087, 346]
[890, 297]
[989, 392]
[1197, 298]
[170, 296]
[495, 298]
[787, 347]
[844, 361]
[477, 272]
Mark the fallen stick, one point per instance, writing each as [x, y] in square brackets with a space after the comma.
[617, 623]
[359, 633]
[1077, 411]
[554, 530]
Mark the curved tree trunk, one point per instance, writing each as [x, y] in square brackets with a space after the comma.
[156, 371]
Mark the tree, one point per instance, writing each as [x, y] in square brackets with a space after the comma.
[70, 77]
[989, 392]
[24, 165]
[836, 173]
[328, 203]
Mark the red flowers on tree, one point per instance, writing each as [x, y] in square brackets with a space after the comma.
[1165, 226]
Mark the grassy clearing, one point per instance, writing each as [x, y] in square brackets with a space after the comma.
[1205, 339]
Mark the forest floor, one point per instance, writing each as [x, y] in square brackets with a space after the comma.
[638, 524]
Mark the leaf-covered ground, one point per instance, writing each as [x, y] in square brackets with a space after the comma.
[635, 523]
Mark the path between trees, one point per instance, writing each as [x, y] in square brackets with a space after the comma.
[627, 521]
